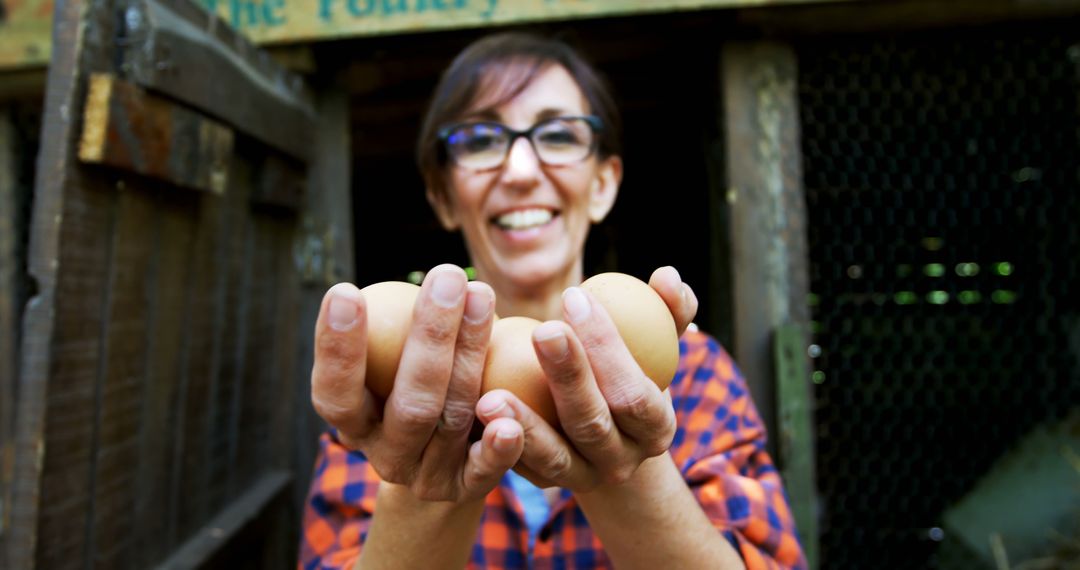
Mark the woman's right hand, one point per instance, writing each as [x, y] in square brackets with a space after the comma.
[420, 437]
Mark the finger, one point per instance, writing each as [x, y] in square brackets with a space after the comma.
[497, 451]
[415, 404]
[583, 412]
[547, 454]
[678, 296]
[635, 402]
[444, 453]
[337, 376]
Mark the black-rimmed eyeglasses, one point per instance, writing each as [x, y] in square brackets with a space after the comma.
[556, 141]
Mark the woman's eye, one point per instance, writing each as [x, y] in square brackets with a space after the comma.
[480, 142]
[559, 137]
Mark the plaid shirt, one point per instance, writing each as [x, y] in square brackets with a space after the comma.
[719, 447]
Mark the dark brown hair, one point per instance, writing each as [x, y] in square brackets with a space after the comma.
[492, 71]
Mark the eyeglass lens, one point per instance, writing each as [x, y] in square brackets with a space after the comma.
[556, 141]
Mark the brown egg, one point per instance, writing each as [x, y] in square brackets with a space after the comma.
[644, 322]
[512, 365]
[389, 309]
[640, 315]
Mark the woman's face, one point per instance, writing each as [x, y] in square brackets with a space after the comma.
[525, 222]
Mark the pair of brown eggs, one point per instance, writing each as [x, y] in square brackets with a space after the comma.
[639, 313]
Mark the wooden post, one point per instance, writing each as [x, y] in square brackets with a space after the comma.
[324, 248]
[769, 249]
[9, 313]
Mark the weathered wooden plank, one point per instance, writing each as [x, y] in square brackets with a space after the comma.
[177, 48]
[233, 252]
[328, 213]
[115, 427]
[767, 211]
[770, 264]
[155, 518]
[253, 386]
[269, 22]
[279, 182]
[890, 17]
[240, 512]
[22, 83]
[77, 368]
[795, 408]
[38, 364]
[204, 337]
[126, 127]
[9, 312]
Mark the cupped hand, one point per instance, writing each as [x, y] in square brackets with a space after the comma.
[419, 437]
[612, 417]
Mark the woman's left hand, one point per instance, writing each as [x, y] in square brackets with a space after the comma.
[612, 416]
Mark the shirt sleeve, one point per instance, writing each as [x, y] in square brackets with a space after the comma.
[720, 448]
[337, 513]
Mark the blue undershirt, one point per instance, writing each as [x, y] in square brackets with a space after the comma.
[533, 501]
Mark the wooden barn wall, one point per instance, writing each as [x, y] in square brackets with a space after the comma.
[158, 387]
[168, 393]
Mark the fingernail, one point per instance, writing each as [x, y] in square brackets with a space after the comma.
[342, 312]
[498, 408]
[552, 341]
[576, 305]
[448, 288]
[505, 439]
[677, 276]
[477, 306]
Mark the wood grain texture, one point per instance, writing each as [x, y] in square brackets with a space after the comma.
[176, 47]
[155, 346]
[125, 127]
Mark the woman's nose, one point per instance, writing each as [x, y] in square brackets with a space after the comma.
[522, 164]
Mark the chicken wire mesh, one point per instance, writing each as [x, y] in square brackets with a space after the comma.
[941, 175]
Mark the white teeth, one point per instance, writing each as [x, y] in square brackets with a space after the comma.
[522, 219]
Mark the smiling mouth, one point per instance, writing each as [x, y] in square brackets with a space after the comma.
[524, 219]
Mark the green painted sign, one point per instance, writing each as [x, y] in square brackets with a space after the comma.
[25, 27]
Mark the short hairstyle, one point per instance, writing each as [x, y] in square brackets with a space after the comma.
[494, 70]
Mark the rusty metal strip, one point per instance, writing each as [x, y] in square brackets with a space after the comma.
[126, 127]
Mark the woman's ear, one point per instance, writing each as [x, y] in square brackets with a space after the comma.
[605, 188]
[440, 202]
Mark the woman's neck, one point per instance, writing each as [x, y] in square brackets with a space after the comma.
[541, 301]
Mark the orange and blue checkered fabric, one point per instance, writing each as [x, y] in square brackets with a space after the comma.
[719, 447]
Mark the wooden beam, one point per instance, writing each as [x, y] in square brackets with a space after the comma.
[770, 265]
[9, 312]
[126, 127]
[795, 411]
[239, 513]
[22, 84]
[326, 252]
[891, 15]
[176, 47]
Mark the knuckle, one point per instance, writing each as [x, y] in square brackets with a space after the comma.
[592, 431]
[416, 412]
[439, 331]
[334, 413]
[456, 417]
[655, 446]
[335, 346]
[634, 404]
[557, 467]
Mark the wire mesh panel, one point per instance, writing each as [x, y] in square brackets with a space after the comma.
[941, 172]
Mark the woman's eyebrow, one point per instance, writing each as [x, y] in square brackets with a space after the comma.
[550, 112]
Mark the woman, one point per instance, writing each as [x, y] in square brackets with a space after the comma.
[519, 151]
